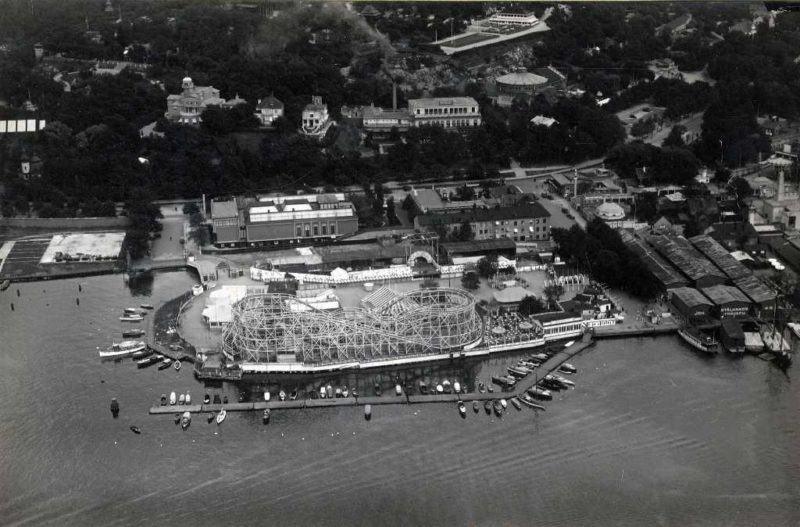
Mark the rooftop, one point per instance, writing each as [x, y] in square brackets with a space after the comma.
[725, 294]
[685, 257]
[720, 256]
[269, 103]
[521, 78]
[531, 210]
[441, 102]
[511, 295]
[499, 244]
[224, 208]
[754, 288]
[691, 297]
[661, 269]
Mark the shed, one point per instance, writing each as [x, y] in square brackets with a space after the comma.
[728, 300]
[691, 304]
[732, 336]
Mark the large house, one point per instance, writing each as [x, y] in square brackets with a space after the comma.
[316, 120]
[276, 219]
[268, 109]
[187, 106]
[448, 112]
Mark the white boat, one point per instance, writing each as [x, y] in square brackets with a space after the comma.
[173, 399]
[186, 420]
[457, 387]
[398, 390]
[188, 398]
[197, 289]
[570, 343]
[329, 391]
[564, 380]
[221, 416]
[698, 340]
[345, 392]
[266, 395]
[131, 318]
[282, 395]
[338, 393]
[439, 388]
[121, 349]
[504, 403]
[181, 399]
[462, 409]
[177, 365]
[322, 392]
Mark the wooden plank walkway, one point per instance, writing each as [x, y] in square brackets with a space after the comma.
[615, 332]
[549, 366]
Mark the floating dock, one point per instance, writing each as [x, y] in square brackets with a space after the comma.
[549, 366]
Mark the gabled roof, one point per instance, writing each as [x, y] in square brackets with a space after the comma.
[270, 103]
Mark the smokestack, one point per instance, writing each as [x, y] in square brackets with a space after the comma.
[394, 95]
[781, 185]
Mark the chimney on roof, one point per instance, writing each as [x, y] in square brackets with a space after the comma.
[394, 95]
[781, 185]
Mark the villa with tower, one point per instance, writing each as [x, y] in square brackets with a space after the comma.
[187, 106]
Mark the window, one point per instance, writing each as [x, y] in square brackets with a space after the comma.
[316, 230]
[307, 228]
[324, 229]
[333, 228]
[299, 231]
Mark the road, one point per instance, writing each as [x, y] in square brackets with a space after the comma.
[691, 123]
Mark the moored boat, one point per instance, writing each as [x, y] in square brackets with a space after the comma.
[173, 398]
[5, 284]
[177, 418]
[265, 417]
[124, 348]
[446, 386]
[504, 403]
[267, 395]
[322, 392]
[439, 389]
[188, 398]
[293, 395]
[505, 381]
[131, 318]
[462, 409]
[487, 406]
[423, 388]
[146, 306]
[567, 368]
[142, 354]
[345, 392]
[135, 429]
[518, 371]
[166, 362]
[338, 393]
[398, 390]
[217, 400]
[368, 412]
[206, 399]
[698, 340]
[211, 416]
[197, 289]
[516, 404]
[148, 361]
[378, 390]
[182, 399]
[177, 365]
[186, 420]
[539, 357]
[221, 416]
[282, 395]
[570, 343]
[563, 380]
[498, 409]
[329, 391]
[475, 406]
[540, 393]
[163, 399]
[527, 400]
[114, 407]
[133, 333]
[481, 387]
[224, 399]
[457, 387]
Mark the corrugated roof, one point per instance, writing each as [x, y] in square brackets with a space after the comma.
[661, 269]
[530, 210]
[691, 297]
[720, 256]
[685, 257]
[500, 244]
[724, 294]
[754, 288]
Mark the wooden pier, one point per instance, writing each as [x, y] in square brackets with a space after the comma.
[549, 366]
[610, 332]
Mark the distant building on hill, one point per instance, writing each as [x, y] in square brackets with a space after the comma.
[448, 112]
[268, 109]
[316, 120]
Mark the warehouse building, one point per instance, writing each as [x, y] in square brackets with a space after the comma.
[226, 222]
[691, 305]
[758, 292]
[715, 252]
[696, 267]
[668, 277]
[729, 302]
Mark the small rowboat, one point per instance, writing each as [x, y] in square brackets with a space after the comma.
[177, 365]
[462, 409]
[265, 417]
[221, 416]
[135, 429]
[475, 406]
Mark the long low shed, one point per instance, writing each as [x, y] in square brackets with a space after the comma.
[728, 300]
[691, 304]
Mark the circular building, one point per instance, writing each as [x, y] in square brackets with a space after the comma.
[521, 82]
[610, 212]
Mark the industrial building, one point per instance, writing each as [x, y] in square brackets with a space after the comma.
[763, 297]
[276, 219]
[501, 247]
[691, 305]
[678, 251]
[715, 252]
[729, 302]
[668, 277]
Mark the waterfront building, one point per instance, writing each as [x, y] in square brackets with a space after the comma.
[668, 277]
[267, 110]
[728, 301]
[691, 305]
[316, 120]
[187, 106]
[521, 223]
[715, 252]
[448, 112]
[678, 251]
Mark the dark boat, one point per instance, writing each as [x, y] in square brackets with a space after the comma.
[481, 387]
[5, 285]
[475, 406]
[265, 416]
[163, 399]
[490, 389]
[462, 409]
[242, 396]
[148, 361]
[488, 407]
[498, 409]
[293, 395]
[539, 393]
[206, 399]
[147, 306]
[314, 394]
[166, 362]
[695, 338]
[225, 400]
[378, 390]
[177, 418]
[505, 381]
[518, 372]
[114, 407]
[528, 401]
[133, 333]
[516, 404]
[211, 416]
[142, 354]
[423, 388]
[135, 429]
[216, 399]
[551, 384]
[446, 386]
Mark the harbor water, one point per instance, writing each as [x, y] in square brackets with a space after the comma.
[653, 434]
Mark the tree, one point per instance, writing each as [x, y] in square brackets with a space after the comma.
[190, 208]
[464, 232]
[675, 137]
[530, 305]
[642, 128]
[487, 266]
[470, 281]
[553, 292]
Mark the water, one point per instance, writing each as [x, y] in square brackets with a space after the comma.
[653, 434]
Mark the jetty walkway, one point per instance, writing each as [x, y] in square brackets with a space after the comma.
[549, 366]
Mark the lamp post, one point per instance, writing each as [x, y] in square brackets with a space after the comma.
[721, 152]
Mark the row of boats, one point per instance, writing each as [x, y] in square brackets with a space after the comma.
[143, 355]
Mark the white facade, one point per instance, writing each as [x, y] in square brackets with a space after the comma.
[316, 120]
[186, 107]
[268, 110]
[448, 112]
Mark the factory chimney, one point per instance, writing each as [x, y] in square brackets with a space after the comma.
[394, 95]
[781, 185]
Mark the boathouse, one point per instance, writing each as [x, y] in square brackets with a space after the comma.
[691, 305]
[729, 302]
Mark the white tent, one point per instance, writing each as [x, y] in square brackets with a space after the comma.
[339, 274]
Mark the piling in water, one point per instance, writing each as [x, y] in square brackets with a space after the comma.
[12, 306]
[78, 301]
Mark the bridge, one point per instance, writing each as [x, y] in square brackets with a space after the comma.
[206, 267]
